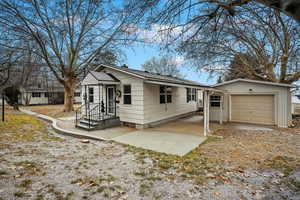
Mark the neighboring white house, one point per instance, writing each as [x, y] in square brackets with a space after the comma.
[295, 105]
[46, 95]
[252, 101]
[142, 99]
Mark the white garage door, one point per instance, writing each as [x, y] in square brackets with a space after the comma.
[258, 109]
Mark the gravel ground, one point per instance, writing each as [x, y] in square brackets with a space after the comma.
[70, 168]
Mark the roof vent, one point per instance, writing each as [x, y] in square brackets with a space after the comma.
[146, 71]
[125, 66]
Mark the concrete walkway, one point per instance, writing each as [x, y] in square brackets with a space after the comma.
[156, 140]
[164, 142]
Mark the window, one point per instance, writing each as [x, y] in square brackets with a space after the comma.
[191, 94]
[215, 101]
[36, 94]
[165, 94]
[127, 94]
[48, 94]
[91, 95]
[77, 94]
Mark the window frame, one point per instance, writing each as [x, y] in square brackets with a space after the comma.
[165, 94]
[34, 94]
[91, 94]
[191, 94]
[77, 94]
[127, 94]
[215, 102]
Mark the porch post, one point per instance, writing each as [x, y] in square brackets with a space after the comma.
[221, 110]
[205, 112]
[208, 105]
[85, 99]
[115, 99]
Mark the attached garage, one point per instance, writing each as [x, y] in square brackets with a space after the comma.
[257, 109]
[251, 101]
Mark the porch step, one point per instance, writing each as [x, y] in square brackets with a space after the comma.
[86, 122]
[85, 126]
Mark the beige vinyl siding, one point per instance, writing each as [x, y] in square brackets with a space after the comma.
[282, 100]
[89, 79]
[132, 113]
[253, 109]
[154, 111]
[296, 108]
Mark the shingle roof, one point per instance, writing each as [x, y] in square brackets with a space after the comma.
[101, 76]
[155, 77]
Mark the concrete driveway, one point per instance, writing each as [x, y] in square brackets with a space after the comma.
[164, 142]
[178, 137]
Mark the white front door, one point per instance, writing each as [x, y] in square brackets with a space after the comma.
[111, 100]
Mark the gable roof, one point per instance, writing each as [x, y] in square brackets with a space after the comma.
[254, 81]
[101, 76]
[149, 76]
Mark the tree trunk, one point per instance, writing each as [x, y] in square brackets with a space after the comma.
[69, 85]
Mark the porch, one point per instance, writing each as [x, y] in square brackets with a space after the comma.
[99, 108]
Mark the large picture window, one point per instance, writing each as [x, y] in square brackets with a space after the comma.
[165, 94]
[127, 94]
[215, 101]
[191, 94]
[91, 95]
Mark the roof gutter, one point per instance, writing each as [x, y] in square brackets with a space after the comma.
[184, 85]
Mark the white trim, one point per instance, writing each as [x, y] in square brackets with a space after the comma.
[254, 81]
[185, 86]
[107, 88]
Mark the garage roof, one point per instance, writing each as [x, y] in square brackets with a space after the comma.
[254, 81]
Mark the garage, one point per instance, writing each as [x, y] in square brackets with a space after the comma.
[257, 109]
[252, 101]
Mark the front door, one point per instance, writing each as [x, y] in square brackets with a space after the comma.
[111, 100]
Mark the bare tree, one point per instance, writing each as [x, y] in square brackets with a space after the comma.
[164, 65]
[69, 34]
[271, 38]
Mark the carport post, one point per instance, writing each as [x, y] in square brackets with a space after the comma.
[221, 110]
[207, 114]
[204, 112]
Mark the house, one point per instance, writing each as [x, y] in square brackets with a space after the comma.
[137, 98]
[295, 105]
[142, 99]
[252, 101]
[42, 95]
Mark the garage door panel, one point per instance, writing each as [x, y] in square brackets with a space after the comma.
[252, 109]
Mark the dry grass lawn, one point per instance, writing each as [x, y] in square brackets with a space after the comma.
[55, 111]
[35, 164]
[256, 149]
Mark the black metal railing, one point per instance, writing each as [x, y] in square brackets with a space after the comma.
[81, 113]
[93, 115]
